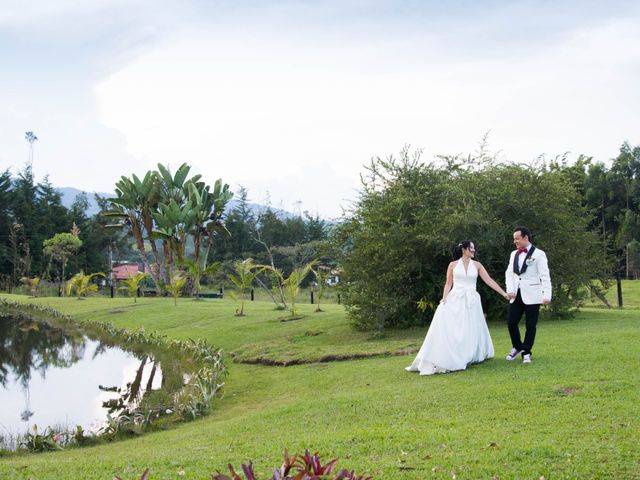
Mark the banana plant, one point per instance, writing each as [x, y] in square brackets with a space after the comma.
[173, 222]
[221, 195]
[208, 209]
[133, 207]
[175, 186]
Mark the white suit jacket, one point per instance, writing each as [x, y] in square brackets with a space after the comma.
[534, 283]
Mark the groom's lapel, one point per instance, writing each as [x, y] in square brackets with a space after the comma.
[524, 264]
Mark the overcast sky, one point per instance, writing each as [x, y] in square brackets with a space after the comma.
[290, 99]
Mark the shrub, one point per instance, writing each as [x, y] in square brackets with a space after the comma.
[298, 467]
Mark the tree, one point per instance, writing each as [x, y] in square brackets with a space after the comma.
[5, 221]
[133, 207]
[240, 224]
[196, 272]
[169, 208]
[221, 196]
[175, 285]
[81, 284]
[292, 283]
[395, 245]
[322, 276]
[60, 247]
[132, 284]
[245, 271]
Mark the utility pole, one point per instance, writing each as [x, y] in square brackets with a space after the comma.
[110, 270]
[30, 137]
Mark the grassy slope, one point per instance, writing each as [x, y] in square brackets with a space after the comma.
[571, 414]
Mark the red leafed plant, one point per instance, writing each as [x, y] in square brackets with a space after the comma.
[298, 467]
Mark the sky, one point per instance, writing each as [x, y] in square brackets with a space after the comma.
[291, 99]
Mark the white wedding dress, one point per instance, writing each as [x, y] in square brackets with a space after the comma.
[458, 334]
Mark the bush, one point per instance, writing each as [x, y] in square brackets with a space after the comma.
[298, 467]
[394, 247]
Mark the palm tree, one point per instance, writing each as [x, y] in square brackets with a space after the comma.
[196, 272]
[245, 272]
[81, 284]
[132, 284]
[177, 281]
[292, 283]
[322, 276]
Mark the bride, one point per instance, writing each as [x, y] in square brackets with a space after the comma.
[458, 335]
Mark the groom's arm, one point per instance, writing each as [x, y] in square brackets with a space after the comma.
[509, 279]
[545, 277]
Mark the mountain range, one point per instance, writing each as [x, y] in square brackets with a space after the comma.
[69, 195]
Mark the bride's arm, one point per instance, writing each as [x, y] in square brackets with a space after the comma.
[448, 283]
[489, 281]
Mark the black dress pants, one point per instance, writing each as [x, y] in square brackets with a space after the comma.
[531, 312]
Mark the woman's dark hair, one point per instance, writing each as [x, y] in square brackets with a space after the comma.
[463, 245]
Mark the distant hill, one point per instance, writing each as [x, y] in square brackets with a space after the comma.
[69, 195]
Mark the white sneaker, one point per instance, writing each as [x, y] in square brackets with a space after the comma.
[513, 354]
[526, 359]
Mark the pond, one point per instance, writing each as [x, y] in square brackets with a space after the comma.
[61, 379]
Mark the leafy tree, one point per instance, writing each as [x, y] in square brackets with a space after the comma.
[395, 245]
[315, 228]
[60, 247]
[241, 226]
[5, 221]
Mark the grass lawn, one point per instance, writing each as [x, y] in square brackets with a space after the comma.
[573, 413]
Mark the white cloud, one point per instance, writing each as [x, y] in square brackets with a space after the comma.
[287, 97]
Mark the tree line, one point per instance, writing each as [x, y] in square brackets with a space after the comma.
[391, 248]
[162, 221]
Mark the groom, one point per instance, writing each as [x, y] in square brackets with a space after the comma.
[528, 285]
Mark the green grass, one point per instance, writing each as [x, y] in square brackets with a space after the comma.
[630, 295]
[573, 413]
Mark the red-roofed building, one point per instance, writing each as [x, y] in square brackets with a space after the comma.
[123, 272]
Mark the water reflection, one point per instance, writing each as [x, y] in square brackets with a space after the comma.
[57, 378]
